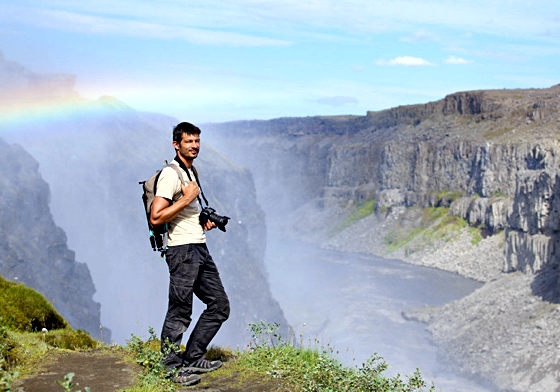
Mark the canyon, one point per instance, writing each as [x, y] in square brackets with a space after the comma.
[468, 184]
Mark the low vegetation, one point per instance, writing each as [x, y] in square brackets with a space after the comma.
[361, 211]
[286, 365]
[268, 357]
[24, 309]
[429, 226]
[317, 369]
[29, 328]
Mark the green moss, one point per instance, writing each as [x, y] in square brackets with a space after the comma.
[24, 309]
[499, 195]
[398, 238]
[23, 312]
[361, 211]
[434, 224]
[447, 197]
[497, 132]
[476, 235]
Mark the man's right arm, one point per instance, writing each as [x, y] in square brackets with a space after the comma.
[164, 211]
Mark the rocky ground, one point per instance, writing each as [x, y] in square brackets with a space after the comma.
[507, 332]
[502, 332]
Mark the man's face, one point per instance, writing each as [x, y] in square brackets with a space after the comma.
[188, 147]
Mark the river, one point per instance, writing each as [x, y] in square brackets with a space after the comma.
[352, 304]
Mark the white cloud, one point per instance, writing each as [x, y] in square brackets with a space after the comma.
[456, 60]
[408, 61]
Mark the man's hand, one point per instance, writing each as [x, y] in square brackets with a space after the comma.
[209, 225]
[164, 211]
[190, 191]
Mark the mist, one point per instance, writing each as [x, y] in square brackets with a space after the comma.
[93, 154]
[94, 167]
[352, 304]
[93, 160]
[348, 303]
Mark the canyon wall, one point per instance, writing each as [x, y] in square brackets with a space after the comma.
[34, 251]
[489, 158]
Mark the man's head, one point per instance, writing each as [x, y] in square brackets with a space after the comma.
[182, 128]
[186, 141]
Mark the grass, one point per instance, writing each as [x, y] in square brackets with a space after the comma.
[447, 197]
[29, 328]
[361, 211]
[282, 365]
[476, 235]
[268, 359]
[316, 369]
[291, 367]
[434, 224]
[24, 309]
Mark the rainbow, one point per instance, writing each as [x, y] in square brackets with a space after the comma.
[22, 112]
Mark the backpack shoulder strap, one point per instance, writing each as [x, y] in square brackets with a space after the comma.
[176, 168]
[178, 195]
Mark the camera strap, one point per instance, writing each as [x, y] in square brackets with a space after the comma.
[184, 167]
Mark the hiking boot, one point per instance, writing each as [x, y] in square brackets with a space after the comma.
[185, 378]
[202, 365]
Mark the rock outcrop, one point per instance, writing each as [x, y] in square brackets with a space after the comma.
[490, 157]
[33, 250]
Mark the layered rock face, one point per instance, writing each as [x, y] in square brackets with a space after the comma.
[534, 222]
[33, 249]
[491, 157]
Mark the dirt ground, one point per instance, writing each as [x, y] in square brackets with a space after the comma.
[108, 372]
[100, 371]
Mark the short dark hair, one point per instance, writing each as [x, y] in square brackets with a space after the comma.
[182, 128]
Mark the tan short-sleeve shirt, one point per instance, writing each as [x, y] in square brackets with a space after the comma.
[185, 228]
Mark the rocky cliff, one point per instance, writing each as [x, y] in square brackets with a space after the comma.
[33, 249]
[467, 184]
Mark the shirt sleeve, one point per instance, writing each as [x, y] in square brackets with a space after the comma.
[168, 184]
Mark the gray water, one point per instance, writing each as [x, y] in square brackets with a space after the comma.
[352, 304]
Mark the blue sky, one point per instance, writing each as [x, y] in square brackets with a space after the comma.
[213, 61]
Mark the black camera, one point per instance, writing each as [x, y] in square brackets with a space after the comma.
[209, 214]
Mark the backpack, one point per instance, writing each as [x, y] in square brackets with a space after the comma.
[158, 234]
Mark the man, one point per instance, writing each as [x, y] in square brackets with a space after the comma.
[191, 268]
